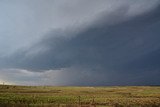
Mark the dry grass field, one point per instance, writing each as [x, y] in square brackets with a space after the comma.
[47, 96]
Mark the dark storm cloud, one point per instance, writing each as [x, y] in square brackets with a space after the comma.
[107, 46]
[107, 52]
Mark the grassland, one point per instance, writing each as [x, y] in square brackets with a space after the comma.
[46, 96]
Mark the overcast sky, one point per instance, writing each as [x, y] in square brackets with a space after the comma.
[80, 42]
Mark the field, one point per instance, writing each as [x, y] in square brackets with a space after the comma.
[47, 96]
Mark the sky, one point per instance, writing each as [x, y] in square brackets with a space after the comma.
[80, 42]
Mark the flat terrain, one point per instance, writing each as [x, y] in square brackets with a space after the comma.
[46, 96]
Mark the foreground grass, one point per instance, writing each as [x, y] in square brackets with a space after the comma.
[102, 96]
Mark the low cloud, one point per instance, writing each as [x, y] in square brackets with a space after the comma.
[118, 46]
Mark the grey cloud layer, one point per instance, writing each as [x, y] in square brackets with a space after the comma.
[120, 47]
[23, 22]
